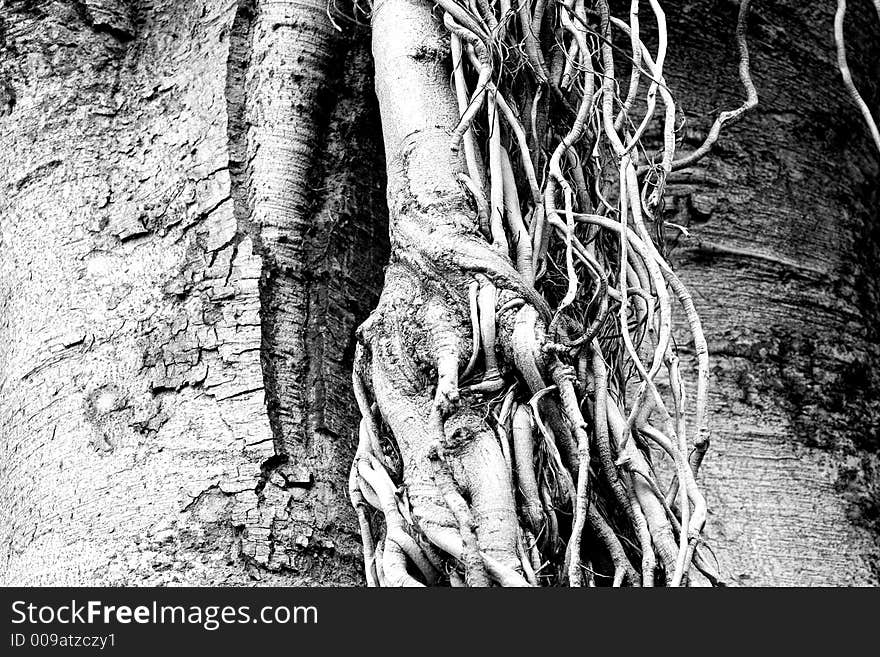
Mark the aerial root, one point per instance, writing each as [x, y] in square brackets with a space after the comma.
[526, 477]
[520, 424]
[843, 66]
[475, 570]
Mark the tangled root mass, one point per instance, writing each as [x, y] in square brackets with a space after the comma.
[525, 416]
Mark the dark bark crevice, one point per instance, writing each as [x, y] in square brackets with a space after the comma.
[344, 208]
[305, 169]
[113, 17]
[239, 86]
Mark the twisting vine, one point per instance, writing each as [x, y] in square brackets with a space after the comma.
[843, 66]
[510, 407]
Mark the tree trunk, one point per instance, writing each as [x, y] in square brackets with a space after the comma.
[178, 301]
[192, 224]
[782, 261]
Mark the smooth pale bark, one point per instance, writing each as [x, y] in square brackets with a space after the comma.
[140, 288]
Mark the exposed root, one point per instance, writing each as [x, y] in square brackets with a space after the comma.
[526, 478]
[520, 365]
[474, 568]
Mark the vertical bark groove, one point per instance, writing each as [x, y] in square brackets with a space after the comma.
[301, 105]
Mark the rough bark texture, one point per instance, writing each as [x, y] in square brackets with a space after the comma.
[145, 275]
[782, 262]
[188, 235]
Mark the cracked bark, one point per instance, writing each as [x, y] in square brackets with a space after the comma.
[143, 306]
[190, 226]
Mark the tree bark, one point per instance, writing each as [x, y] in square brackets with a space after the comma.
[782, 262]
[177, 302]
[192, 223]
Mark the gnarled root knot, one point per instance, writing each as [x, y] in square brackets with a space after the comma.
[494, 484]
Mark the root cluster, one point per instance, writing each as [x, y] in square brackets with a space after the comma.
[526, 419]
